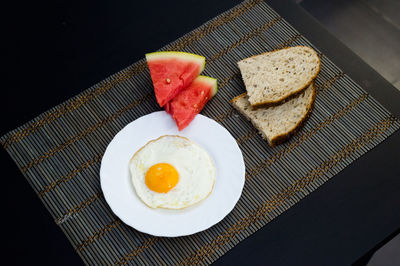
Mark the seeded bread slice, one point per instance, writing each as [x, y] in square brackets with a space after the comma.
[272, 77]
[278, 123]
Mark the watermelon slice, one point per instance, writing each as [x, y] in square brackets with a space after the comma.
[191, 100]
[173, 71]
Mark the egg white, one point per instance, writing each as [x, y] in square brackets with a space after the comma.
[194, 165]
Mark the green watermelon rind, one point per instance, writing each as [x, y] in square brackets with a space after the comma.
[198, 59]
[210, 81]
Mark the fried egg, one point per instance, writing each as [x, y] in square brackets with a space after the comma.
[172, 172]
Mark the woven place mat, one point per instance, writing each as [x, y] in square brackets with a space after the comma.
[59, 152]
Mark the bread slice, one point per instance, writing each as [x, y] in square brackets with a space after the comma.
[278, 123]
[272, 77]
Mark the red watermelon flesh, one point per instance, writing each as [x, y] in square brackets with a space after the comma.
[191, 100]
[173, 71]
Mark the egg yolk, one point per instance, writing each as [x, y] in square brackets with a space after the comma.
[161, 177]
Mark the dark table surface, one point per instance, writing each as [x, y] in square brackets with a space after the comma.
[55, 50]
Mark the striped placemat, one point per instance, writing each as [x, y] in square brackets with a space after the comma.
[59, 152]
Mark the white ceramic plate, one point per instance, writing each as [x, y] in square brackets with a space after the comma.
[120, 193]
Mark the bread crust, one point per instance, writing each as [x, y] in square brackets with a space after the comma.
[282, 137]
[238, 97]
[294, 93]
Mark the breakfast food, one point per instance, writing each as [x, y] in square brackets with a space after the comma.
[173, 71]
[277, 123]
[172, 172]
[272, 77]
[191, 100]
[280, 91]
[178, 86]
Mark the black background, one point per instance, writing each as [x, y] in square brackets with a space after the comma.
[54, 50]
